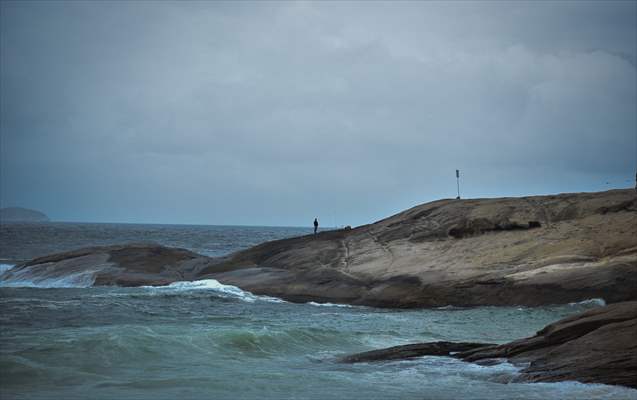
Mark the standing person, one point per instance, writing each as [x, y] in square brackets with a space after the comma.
[315, 225]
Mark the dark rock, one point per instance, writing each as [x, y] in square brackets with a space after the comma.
[598, 346]
[413, 350]
[482, 225]
[120, 265]
[629, 205]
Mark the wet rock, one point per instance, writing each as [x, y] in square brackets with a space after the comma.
[598, 346]
[120, 265]
[412, 351]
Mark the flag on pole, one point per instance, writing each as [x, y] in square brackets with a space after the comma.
[457, 173]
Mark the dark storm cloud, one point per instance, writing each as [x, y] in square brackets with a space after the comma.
[272, 113]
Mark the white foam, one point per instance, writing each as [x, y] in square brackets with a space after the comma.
[589, 302]
[228, 291]
[312, 303]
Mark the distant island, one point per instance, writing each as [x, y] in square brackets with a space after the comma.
[18, 214]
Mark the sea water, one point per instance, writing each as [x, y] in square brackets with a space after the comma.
[207, 340]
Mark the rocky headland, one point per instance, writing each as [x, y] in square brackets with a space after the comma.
[509, 251]
[525, 251]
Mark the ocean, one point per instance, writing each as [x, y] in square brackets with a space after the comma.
[207, 340]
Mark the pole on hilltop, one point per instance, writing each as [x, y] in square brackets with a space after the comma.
[458, 182]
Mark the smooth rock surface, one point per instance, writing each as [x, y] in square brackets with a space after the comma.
[120, 265]
[457, 252]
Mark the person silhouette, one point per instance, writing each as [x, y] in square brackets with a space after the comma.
[315, 225]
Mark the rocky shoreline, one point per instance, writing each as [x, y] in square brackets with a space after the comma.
[597, 346]
[528, 251]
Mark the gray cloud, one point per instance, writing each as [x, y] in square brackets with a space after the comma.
[272, 113]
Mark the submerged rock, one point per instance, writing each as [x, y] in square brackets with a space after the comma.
[413, 350]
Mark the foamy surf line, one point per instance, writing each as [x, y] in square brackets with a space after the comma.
[589, 302]
[213, 285]
[227, 291]
[313, 303]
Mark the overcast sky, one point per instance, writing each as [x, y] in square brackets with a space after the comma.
[271, 113]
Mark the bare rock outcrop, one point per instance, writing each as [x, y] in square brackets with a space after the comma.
[526, 251]
[119, 265]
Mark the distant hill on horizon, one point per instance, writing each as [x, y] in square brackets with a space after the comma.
[19, 214]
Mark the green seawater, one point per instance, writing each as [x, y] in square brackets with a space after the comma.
[210, 341]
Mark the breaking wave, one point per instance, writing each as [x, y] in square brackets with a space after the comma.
[84, 279]
[589, 302]
[313, 303]
[25, 277]
[224, 291]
